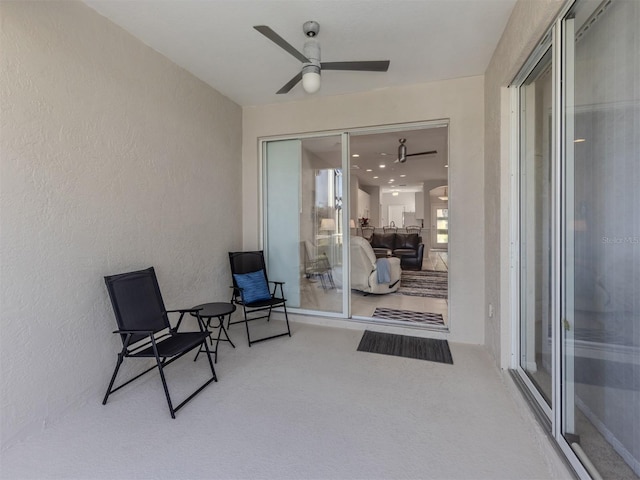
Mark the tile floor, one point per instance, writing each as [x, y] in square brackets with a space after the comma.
[314, 297]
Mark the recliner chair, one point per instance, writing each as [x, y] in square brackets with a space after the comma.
[364, 269]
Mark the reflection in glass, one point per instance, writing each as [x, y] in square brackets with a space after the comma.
[321, 220]
[601, 304]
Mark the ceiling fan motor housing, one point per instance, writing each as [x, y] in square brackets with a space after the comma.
[402, 151]
[311, 50]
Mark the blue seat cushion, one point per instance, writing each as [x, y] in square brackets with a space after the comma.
[254, 286]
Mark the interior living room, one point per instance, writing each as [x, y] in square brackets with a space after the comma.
[171, 134]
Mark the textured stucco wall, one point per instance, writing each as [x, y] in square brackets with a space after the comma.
[461, 101]
[112, 159]
[529, 21]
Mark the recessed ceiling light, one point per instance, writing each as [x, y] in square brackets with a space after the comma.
[382, 153]
[375, 176]
[369, 170]
[446, 166]
[391, 181]
[382, 165]
[355, 155]
[355, 166]
[395, 194]
[579, 140]
[402, 176]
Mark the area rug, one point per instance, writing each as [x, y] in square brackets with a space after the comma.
[424, 283]
[422, 318]
[405, 346]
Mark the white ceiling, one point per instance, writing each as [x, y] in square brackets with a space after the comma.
[425, 40]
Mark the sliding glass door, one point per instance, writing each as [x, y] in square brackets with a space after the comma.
[600, 335]
[578, 343]
[304, 224]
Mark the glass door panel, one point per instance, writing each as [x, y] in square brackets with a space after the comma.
[304, 220]
[600, 340]
[322, 224]
[536, 100]
[282, 215]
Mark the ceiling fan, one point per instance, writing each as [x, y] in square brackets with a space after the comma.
[402, 152]
[310, 58]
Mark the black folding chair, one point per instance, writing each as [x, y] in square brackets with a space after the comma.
[251, 291]
[143, 326]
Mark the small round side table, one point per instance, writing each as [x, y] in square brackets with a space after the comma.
[209, 311]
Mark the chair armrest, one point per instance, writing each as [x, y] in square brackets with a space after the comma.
[193, 311]
[148, 332]
[275, 288]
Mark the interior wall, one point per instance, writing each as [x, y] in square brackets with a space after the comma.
[461, 101]
[112, 159]
[407, 199]
[528, 23]
[374, 204]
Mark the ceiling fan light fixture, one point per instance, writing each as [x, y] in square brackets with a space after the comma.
[311, 78]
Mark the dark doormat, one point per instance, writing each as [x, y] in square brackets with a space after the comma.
[404, 346]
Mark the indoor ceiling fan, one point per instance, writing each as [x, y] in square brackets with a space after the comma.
[402, 152]
[310, 58]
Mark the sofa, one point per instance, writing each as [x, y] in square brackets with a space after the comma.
[406, 246]
[365, 266]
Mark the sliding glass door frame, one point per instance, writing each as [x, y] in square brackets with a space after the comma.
[536, 57]
[346, 199]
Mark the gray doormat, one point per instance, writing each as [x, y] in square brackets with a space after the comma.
[405, 346]
[424, 318]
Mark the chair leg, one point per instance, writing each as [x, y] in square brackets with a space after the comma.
[164, 381]
[164, 385]
[286, 318]
[246, 324]
[113, 378]
[284, 306]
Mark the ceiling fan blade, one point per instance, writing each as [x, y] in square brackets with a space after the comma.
[281, 42]
[430, 152]
[290, 84]
[365, 66]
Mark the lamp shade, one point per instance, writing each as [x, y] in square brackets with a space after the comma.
[328, 224]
